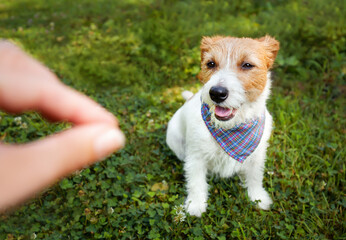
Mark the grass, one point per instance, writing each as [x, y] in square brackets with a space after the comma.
[135, 57]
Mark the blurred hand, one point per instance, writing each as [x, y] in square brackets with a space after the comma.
[26, 169]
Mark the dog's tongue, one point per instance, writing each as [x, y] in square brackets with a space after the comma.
[222, 112]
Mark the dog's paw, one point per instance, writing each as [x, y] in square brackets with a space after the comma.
[195, 208]
[262, 196]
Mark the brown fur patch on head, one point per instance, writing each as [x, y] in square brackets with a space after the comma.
[230, 53]
[207, 44]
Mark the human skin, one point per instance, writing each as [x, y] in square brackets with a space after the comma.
[27, 169]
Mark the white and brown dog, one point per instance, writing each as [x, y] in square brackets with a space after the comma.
[224, 128]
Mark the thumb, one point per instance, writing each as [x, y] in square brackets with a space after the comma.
[29, 168]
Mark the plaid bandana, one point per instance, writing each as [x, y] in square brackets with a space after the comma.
[238, 142]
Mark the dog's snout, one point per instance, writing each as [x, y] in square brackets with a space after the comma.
[218, 94]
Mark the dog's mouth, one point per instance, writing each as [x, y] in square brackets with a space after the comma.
[224, 114]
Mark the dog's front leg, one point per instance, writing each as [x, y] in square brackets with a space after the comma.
[254, 182]
[197, 186]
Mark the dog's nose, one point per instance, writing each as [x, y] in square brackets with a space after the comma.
[218, 94]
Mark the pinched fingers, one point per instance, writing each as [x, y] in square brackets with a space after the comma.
[29, 168]
[26, 84]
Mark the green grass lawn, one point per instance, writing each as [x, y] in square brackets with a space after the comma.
[135, 57]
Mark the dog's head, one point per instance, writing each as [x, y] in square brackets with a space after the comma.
[235, 73]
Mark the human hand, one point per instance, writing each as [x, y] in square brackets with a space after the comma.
[26, 169]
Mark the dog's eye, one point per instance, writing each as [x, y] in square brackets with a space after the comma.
[211, 64]
[246, 65]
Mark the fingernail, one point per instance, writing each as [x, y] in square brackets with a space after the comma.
[108, 142]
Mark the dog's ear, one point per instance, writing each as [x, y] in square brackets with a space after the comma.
[272, 47]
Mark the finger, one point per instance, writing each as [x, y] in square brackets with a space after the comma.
[27, 169]
[61, 103]
[21, 78]
[25, 84]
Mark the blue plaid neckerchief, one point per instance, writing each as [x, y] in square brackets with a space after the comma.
[238, 142]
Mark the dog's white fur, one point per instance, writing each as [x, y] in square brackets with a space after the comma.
[190, 140]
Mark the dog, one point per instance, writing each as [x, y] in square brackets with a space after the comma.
[224, 128]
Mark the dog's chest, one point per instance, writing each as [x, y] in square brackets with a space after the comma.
[216, 159]
[222, 164]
